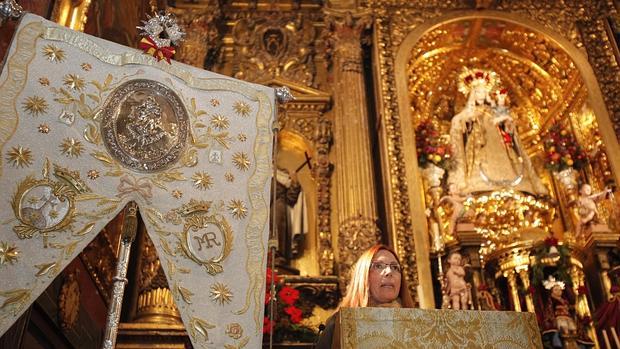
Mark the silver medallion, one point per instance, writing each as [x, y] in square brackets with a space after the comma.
[144, 125]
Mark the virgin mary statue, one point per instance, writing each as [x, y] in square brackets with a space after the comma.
[487, 151]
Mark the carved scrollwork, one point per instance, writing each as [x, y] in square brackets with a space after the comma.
[321, 291]
[355, 235]
[202, 45]
[69, 301]
[277, 46]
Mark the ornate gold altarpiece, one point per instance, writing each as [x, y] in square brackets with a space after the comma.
[362, 328]
[88, 126]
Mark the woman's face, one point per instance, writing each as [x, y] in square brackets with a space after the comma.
[384, 280]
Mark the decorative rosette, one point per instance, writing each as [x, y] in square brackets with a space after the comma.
[160, 33]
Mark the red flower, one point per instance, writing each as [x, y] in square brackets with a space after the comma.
[582, 289]
[479, 74]
[288, 295]
[551, 241]
[267, 325]
[276, 278]
[294, 313]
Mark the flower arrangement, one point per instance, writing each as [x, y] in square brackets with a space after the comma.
[431, 147]
[562, 150]
[551, 253]
[286, 324]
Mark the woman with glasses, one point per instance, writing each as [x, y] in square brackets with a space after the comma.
[376, 281]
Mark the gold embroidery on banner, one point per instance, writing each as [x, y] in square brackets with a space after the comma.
[35, 105]
[53, 53]
[17, 73]
[204, 234]
[8, 253]
[221, 293]
[19, 156]
[255, 262]
[15, 299]
[199, 326]
[258, 179]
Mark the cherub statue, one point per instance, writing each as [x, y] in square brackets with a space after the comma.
[587, 211]
[458, 209]
[455, 286]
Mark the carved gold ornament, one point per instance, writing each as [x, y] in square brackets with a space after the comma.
[19, 156]
[242, 137]
[145, 125]
[44, 81]
[202, 180]
[53, 54]
[220, 293]
[8, 253]
[214, 102]
[42, 206]
[35, 105]
[71, 147]
[242, 108]
[69, 302]
[177, 194]
[86, 66]
[241, 161]
[207, 240]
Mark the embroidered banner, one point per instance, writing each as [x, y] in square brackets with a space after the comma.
[87, 126]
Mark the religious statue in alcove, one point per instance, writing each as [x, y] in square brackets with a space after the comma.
[487, 151]
[558, 320]
[291, 216]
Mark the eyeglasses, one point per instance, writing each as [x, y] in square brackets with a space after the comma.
[380, 267]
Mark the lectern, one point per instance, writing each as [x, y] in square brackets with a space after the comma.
[372, 328]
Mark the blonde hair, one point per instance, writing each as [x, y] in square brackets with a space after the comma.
[358, 291]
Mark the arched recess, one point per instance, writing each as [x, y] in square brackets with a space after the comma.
[402, 62]
[305, 132]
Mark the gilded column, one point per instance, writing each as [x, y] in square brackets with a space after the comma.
[355, 187]
[525, 280]
[511, 275]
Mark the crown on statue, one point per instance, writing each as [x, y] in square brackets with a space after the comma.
[470, 79]
[552, 282]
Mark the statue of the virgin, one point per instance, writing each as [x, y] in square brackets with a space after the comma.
[487, 151]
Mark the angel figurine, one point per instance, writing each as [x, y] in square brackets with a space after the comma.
[587, 211]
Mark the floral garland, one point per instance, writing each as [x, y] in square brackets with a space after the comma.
[562, 150]
[286, 324]
[431, 147]
[551, 248]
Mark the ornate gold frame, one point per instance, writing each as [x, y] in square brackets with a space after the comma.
[404, 196]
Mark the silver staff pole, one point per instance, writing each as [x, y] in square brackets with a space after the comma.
[283, 95]
[128, 235]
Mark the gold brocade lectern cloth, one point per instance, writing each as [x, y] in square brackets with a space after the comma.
[87, 126]
[371, 328]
